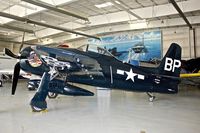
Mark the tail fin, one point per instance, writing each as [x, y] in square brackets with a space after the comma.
[170, 64]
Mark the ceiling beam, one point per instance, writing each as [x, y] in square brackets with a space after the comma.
[16, 28]
[15, 42]
[12, 3]
[56, 9]
[120, 4]
[155, 24]
[116, 18]
[180, 13]
[22, 19]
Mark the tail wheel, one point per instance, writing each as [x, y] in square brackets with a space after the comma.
[151, 97]
[52, 95]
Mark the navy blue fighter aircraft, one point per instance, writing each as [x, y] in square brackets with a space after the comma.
[92, 65]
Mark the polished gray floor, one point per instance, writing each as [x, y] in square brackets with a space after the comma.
[106, 112]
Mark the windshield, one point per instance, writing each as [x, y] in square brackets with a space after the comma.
[94, 48]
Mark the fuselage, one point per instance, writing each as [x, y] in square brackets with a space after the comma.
[109, 72]
[103, 70]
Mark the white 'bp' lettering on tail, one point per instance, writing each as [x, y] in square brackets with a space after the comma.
[171, 65]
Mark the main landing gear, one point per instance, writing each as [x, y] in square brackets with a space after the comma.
[151, 96]
[38, 102]
[39, 108]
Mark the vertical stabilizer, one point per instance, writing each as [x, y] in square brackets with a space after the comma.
[171, 63]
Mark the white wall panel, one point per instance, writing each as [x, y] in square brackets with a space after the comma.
[179, 36]
[198, 41]
[5, 45]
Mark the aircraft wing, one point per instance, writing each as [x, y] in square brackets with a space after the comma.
[193, 67]
[189, 75]
[11, 72]
[190, 78]
[6, 71]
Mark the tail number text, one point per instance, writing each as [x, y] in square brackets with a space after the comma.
[171, 65]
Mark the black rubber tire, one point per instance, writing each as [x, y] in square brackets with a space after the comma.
[35, 109]
[31, 89]
[52, 95]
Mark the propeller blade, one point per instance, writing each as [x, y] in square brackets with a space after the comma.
[10, 53]
[16, 77]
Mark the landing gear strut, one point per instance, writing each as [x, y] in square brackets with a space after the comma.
[151, 96]
[38, 102]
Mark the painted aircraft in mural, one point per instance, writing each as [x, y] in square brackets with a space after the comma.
[92, 65]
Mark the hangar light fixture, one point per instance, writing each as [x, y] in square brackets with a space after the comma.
[117, 2]
[138, 24]
[43, 21]
[137, 21]
[103, 5]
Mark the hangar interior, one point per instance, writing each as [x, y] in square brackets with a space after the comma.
[74, 23]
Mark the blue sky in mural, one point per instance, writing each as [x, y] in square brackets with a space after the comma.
[144, 46]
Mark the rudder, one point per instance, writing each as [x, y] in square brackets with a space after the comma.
[171, 63]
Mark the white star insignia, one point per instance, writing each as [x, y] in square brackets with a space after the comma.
[131, 75]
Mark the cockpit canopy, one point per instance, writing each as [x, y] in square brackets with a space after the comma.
[94, 48]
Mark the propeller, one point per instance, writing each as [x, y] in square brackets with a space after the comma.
[16, 69]
[15, 77]
[24, 53]
[10, 53]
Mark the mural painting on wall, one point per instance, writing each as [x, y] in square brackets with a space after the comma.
[145, 46]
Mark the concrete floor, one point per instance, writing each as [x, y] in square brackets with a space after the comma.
[107, 112]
